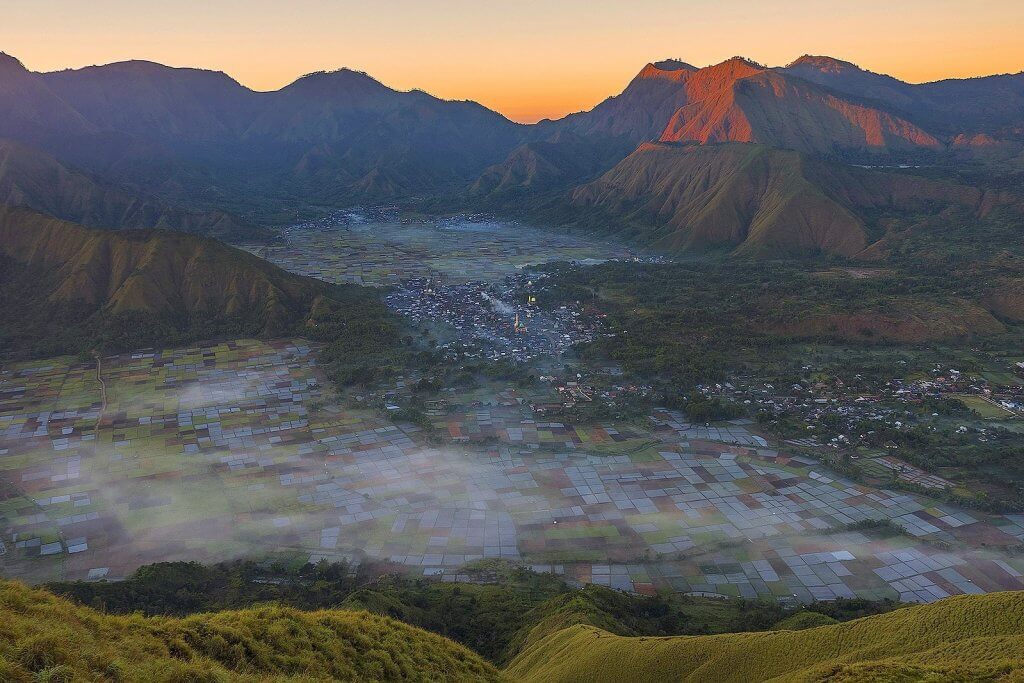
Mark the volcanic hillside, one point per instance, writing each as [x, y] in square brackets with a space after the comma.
[738, 101]
[64, 287]
[32, 178]
[757, 199]
[741, 101]
[735, 101]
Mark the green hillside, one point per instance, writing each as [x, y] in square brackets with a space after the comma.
[45, 638]
[510, 609]
[961, 638]
[763, 201]
[33, 179]
[65, 288]
[804, 620]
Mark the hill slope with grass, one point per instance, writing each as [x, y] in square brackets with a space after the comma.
[44, 637]
[34, 179]
[761, 200]
[67, 288]
[154, 272]
[960, 638]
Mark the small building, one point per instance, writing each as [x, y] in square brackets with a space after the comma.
[547, 408]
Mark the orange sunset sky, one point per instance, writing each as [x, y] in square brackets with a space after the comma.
[526, 59]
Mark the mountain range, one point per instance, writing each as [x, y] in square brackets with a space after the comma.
[742, 101]
[194, 135]
[138, 144]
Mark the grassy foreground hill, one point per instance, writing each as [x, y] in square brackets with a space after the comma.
[962, 638]
[45, 638]
[509, 609]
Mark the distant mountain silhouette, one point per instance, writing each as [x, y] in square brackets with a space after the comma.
[187, 133]
[125, 143]
[988, 104]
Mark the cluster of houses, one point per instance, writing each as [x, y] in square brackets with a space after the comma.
[573, 393]
[857, 400]
[492, 321]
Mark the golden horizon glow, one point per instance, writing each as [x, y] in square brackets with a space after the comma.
[528, 60]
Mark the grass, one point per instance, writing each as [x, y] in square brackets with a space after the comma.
[985, 408]
[804, 620]
[43, 637]
[565, 532]
[960, 638]
[532, 624]
[1002, 377]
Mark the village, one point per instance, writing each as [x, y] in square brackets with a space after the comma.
[494, 321]
[872, 426]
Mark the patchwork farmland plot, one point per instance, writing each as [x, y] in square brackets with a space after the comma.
[217, 451]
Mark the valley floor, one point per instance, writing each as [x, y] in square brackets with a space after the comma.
[375, 248]
[236, 449]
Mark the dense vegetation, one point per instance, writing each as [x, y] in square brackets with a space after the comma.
[948, 298]
[364, 340]
[691, 322]
[510, 609]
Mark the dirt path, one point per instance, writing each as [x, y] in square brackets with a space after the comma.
[103, 389]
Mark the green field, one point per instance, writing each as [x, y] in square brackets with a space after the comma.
[984, 408]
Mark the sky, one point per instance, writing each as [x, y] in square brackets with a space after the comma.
[527, 59]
